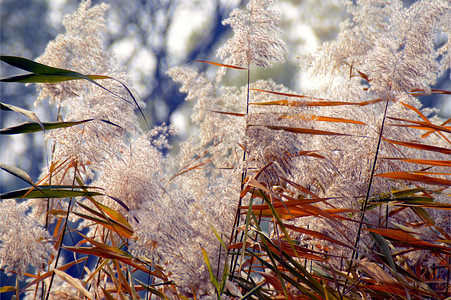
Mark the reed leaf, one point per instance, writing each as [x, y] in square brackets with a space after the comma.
[409, 240]
[41, 73]
[151, 288]
[49, 191]
[415, 177]
[302, 130]
[76, 283]
[19, 173]
[420, 146]
[27, 113]
[221, 65]
[431, 162]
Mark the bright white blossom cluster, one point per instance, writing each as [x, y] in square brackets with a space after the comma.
[354, 70]
[23, 242]
[254, 39]
[80, 49]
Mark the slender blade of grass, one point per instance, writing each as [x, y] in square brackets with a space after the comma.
[409, 240]
[151, 289]
[30, 127]
[221, 65]
[415, 177]
[48, 191]
[432, 162]
[18, 173]
[27, 113]
[212, 275]
[45, 74]
[303, 130]
[420, 146]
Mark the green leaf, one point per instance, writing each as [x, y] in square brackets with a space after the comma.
[212, 275]
[265, 240]
[152, 290]
[30, 127]
[48, 191]
[274, 268]
[279, 220]
[246, 230]
[253, 291]
[41, 73]
[385, 248]
[47, 78]
[18, 173]
[54, 74]
[27, 113]
[7, 288]
[225, 274]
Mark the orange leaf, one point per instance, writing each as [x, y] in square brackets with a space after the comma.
[300, 187]
[420, 146]
[322, 118]
[414, 177]
[48, 274]
[272, 279]
[228, 113]
[330, 119]
[192, 168]
[285, 94]
[221, 65]
[304, 103]
[316, 234]
[310, 153]
[300, 251]
[375, 271]
[386, 288]
[415, 110]
[239, 246]
[417, 93]
[326, 103]
[424, 126]
[409, 240]
[302, 130]
[111, 255]
[432, 162]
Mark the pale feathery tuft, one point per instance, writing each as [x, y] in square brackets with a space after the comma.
[255, 38]
[23, 242]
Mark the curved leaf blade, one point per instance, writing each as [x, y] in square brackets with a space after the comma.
[30, 127]
[18, 173]
[302, 130]
[41, 73]
[27, 113]
[48, 191]
[415, 177]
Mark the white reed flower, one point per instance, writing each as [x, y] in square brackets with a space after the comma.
[134, 176]
[254, 41]
[394, 46]
[80, 49]
[22, 241]
[404, 57]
